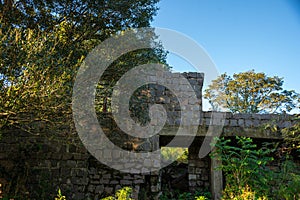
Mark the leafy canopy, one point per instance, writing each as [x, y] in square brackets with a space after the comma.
[250, 92]
[43, 43]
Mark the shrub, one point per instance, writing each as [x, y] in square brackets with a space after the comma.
[247, 173]
[122, 194]
[285, 183]
[243, 165]
[60, 196]
[175, 153]
[177, 195]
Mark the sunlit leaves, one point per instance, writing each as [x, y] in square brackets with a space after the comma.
[250, 92]
[43, 43]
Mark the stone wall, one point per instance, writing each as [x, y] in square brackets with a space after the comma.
[198, 169]
[36, 166]
[249, 125]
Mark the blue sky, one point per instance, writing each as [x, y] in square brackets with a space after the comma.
[263, 35]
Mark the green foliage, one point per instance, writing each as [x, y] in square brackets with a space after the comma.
[291, 136]
[175, 153]
[122, 194]
[285, 182]
[202, 195]
[242, 194]
[248, 176]
[43, 43]
[243, 165]
[201, 198]
[60, 196]
[86, 17]
[250, 92]
[177, 195]
[35, 87]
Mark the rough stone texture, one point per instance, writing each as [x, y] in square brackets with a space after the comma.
[249, 125]
[198, 169]
[40, 165]
[30, 162]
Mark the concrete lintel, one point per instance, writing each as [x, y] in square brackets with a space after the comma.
[255, 132]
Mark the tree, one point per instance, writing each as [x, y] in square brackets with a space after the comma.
[43, 43]
[81, 22]
[250, 92]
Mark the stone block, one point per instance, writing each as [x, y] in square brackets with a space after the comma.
[204, 177]
[135, 170]
[65, 171]
[106, 176]
[138, 181]
[200, 183]
[256, 123]
[70, 163]
[200, 163]
[78, 156]
[114, 182]
[107, 154]
[206, 114]
[99, 189]
[126, 182]
[248, 123]
[207, 121]
[128, 177]
[285, 124]
[192, 177]
[81, 164]
[91, 188]
[67, 156]
[137, 176]
[92, 171]
[241, 122]
[226, 122]
[78, 196]
[155, 188]
[108, 190]
[96, 177]
[56, 156]
[233, 122]
[198, 171]
[81, 172]
[129, 165]
[265, 116]
[191, 170]
[95, 182]
[104, 181]
[156, 163]
[71, 148]
[192, 183]
[147, 163]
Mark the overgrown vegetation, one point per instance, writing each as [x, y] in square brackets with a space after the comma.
[122, 194]
[42, 45]
[248, 174]
[291, 136]
[175, 153]
[177, 195]
[60, 196]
